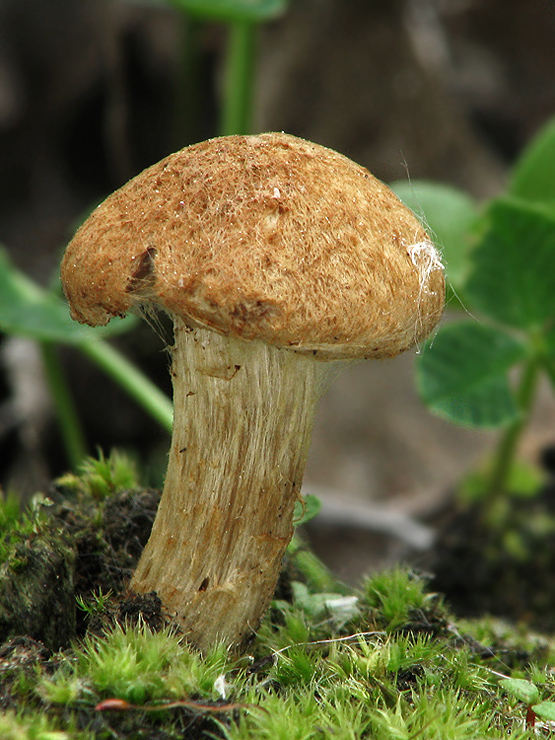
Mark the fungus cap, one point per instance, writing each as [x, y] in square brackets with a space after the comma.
[265, 237]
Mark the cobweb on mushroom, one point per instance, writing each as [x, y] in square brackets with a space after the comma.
[426, 258]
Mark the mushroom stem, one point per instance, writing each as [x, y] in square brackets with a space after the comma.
[243, 416]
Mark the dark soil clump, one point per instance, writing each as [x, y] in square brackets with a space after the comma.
[503, 568]
[75, 548]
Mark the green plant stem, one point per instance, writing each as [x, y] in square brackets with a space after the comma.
[318, 575]
[151, 398]
[70, 428]
[188, 95]
[506, 450]
[549, 367]
[239, 79]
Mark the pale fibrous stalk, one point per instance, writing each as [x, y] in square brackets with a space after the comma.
[243, 417]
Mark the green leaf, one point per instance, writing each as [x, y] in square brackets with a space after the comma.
[549, 339]
[449, 215]
[28, 310]
[522, 690]
[233, 10]
[462, 375]
[524, 480]
[306, 509]
[548, 361]
[513, 278]
[549, 367]
[545, 710]
[338, 606]
[533, 176]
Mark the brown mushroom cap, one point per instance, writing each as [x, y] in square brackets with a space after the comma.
[265, 237]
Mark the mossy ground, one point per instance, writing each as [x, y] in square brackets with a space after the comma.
[387, 660]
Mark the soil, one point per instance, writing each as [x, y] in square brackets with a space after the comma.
[78, 546]
[504, 569]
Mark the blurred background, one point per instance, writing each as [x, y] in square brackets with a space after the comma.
[93, 91]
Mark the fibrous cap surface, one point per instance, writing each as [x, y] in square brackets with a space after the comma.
[268, 238]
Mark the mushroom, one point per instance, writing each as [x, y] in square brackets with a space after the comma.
[279, 260]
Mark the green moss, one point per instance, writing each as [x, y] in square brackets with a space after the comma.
[300, 681]
[399, 598]
[102, 476]
[13, 727]
[136, 665]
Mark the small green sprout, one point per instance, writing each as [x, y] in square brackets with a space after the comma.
[102, 476]
[333, 606]
[521, 689]
[528, 693]
[95, 604]
[306, 508]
